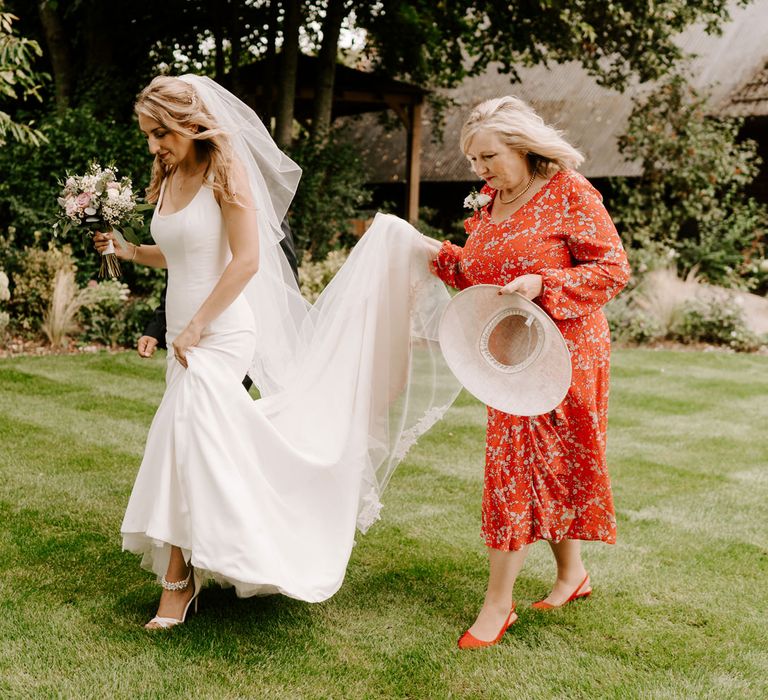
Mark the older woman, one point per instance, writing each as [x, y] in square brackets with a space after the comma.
[545, 234]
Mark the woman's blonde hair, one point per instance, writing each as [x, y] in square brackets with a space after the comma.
[521, 128]
[178, 108]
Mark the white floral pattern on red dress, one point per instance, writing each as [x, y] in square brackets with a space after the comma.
[546, 476]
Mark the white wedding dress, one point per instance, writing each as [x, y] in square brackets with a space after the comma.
[265, 495]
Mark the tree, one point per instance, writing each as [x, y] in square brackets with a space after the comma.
[439, 43]
[690, 203]
[435, 43]
[60, 53]
[326, 70]
[289, 63]
[18, 80]
[102, 53]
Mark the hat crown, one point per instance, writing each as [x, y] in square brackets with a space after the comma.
[512, 340]
[505, 350]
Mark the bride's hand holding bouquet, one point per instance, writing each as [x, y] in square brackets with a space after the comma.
[97, 203]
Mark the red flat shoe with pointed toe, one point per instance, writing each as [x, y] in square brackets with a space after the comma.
[469, 641]
[578, 593]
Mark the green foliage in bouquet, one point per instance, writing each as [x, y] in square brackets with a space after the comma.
[691, 198]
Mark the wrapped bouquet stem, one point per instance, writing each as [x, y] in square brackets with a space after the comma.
[110, 263]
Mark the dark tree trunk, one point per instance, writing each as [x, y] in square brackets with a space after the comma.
[61, 55]
[270, 65]
[218, 58]
[100, 43]
[234, 30]
[326, 72]
[289, 66]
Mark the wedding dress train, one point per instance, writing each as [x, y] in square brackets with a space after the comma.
[265, 495]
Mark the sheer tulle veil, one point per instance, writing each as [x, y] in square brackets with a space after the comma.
[359, 376]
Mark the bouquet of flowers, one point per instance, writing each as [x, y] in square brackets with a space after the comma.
[98, 201]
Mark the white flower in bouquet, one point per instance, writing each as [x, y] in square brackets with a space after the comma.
[476, 200]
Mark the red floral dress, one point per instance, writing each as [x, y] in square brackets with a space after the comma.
[546, 476]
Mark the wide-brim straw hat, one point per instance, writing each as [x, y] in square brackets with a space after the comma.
[505, 350]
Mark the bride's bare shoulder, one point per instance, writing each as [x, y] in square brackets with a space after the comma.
[240, 184]
[232, 185]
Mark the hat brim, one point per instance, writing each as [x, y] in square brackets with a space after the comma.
[531, 387]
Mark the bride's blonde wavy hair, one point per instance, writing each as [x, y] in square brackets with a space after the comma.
[521, 128]
[178, 108]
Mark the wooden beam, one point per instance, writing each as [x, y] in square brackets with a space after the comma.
[413, 167]
[396, 102]
[401, 109]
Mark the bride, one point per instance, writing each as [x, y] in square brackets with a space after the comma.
[265, 495]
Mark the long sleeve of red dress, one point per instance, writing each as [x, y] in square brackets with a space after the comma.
[447, 266]
[546, 476]
[600, 269]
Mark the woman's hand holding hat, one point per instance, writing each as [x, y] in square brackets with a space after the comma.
[505, 350]
[529, 286]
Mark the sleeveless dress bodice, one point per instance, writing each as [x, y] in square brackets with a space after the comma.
[196, 250]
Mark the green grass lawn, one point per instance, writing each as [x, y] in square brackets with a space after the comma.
[680, 608]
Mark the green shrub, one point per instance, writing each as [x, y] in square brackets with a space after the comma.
[315, 276]
[135, 315]
[692, 196]
[331, 193]
[101, 315]
[631, 324]
[32, 285]
[663, 306]
[717, 321]
[113, 317]
[429, 223]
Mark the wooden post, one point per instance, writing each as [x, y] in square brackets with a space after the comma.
[413, 162]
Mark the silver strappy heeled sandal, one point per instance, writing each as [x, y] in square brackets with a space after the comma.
[165, 623]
